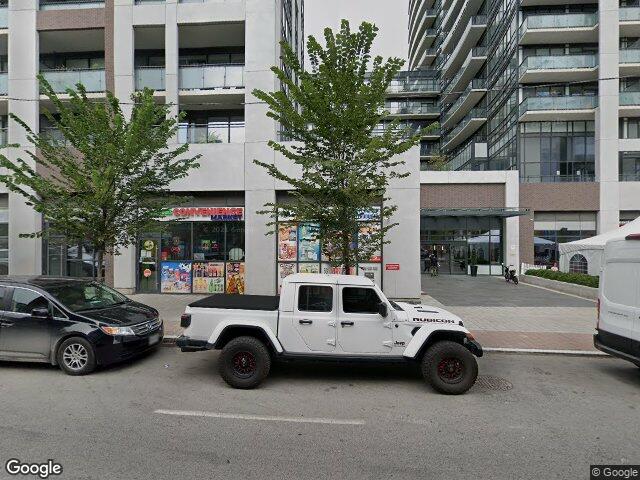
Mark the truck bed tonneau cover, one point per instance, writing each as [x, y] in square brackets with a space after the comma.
[239, 302]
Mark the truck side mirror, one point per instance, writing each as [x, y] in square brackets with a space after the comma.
[382, 310]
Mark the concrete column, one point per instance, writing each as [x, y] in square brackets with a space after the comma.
[512, 224]
[261, 52]
[124, 266]
[172, 53]
[606, 142]
[25, 255]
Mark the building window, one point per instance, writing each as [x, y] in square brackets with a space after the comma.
[629, 127]
[553, 228]
[629, 165]
[578, 264]
[64, 258]
[212, 127]
[557, 151]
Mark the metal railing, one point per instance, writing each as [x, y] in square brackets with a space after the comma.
[150, 77]
[577, 102]
[558, 62]
[206, 77]
[70, 4]
[92, 79]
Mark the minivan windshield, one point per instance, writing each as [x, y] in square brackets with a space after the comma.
[82, 296]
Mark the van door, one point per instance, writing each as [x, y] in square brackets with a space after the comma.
[314, 317]
[618, 304]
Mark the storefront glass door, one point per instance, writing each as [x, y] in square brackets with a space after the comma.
[148, 271]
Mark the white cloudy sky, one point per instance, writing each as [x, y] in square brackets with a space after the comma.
[391, 17]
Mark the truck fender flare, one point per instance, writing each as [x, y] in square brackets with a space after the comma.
[223, 327]
[425, 333]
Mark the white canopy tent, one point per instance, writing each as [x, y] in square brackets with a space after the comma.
[592, 249]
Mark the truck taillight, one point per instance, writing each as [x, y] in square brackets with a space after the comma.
[185, 320]
[598, 314]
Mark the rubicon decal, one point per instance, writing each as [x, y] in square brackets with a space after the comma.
[433, 320]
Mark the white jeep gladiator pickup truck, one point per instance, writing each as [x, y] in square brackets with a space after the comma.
[329, 317]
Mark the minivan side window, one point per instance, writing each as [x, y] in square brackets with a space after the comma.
[360, 300]
[24, 301]
[315, 298]
[3, 293]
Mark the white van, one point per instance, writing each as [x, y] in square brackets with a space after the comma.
[618, 328]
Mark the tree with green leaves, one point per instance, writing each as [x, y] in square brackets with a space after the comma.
[104, 178]
[333, 114]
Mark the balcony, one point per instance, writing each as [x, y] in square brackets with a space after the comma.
[211, 77]
[429, 150]
[629, 62]
[558, 68]
[629, 21]
[4, 85]
[563, 28]
[4, 16]
[467, 127]
[70, 4]
[470, 67]
[413, 109]
[469, 98]
[420, 46]
[469, 38]
[60, 80]
[411, 85]
[211, 133]
[467, 16]
[577, 107]
[150, 77]
[629, 104]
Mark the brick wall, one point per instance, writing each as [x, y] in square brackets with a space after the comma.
[462, 195]
[71, 19]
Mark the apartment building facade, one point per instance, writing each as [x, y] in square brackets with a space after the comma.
[204, 58]
[539, 113]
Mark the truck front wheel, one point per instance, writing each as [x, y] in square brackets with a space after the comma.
[244, 362]
[449, 367]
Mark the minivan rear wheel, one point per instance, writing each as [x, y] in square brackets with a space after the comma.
[76, 356]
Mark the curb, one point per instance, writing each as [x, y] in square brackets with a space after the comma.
[170, 341]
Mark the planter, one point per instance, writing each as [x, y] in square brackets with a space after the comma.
[474, 270]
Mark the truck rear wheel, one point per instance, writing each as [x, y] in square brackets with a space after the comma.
[449, 367]
[244, 362]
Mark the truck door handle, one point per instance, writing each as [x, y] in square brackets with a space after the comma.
[305, 322]
[346, 324]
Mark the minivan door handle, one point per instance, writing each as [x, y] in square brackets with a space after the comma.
[6, 324]
[305, 322]
[346, 324]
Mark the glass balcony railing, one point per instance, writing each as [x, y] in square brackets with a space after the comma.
[4, 85]
[629, 98]
[92, 79]
[413, 108]
[565, 20]
[475, 113]
[205, 133]
[476, 84]
[429, 150]
[207, 77]
[587, 177]
[630, 56]
[577, 102]
[414, 86]
[558, 62]
[4, 17]
[70, 4]
[150, 77]
[54, 135]
[629, 14]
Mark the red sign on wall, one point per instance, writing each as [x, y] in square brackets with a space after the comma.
[392, 266]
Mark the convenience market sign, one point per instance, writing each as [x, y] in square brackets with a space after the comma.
[204, 214]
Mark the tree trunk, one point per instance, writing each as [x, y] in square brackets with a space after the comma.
[346, 260]
[99, 272]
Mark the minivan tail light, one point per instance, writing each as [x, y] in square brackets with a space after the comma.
[185, 320]
[633, 236]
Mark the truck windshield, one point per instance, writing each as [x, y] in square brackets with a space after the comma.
[82, 296]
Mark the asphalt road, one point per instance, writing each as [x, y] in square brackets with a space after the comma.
[314, 422]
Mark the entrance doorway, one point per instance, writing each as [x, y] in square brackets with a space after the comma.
[452, 257]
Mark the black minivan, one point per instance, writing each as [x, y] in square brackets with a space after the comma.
[74, 323]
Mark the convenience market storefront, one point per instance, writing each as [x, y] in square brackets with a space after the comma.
[202, 252]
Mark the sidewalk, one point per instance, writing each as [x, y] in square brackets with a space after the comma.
[533, 324]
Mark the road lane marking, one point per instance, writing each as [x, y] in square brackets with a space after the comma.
[259, 418]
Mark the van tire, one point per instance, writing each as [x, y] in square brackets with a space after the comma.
[244, 362]
[76, 356]
[449, 367]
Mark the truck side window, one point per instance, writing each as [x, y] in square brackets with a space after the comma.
[314, 298]
[359, 300]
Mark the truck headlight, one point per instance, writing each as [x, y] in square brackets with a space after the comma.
[117, 330]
